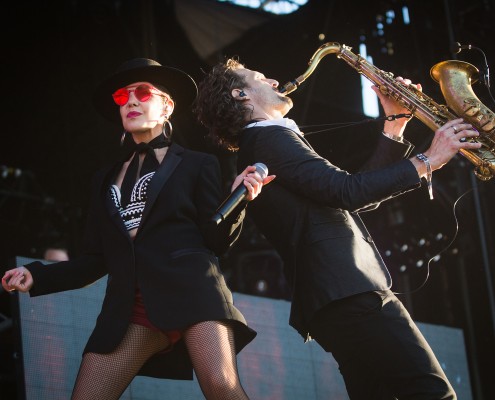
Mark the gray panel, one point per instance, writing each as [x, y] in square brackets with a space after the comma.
[277, 365]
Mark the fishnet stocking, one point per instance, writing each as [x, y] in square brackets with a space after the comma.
[211, 348]
[106, 376]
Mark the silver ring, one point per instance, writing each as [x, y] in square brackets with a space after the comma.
[455, 129]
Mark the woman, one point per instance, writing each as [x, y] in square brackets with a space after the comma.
[167, 308]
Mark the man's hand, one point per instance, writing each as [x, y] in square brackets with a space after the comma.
[446, 143]
[392, 107]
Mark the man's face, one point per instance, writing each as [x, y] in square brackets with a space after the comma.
[263, 94]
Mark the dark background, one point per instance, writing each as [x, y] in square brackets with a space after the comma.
[55, 52]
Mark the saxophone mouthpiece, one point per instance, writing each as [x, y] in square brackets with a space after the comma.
[289, 87]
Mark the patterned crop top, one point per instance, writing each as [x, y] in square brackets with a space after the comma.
[132, 213]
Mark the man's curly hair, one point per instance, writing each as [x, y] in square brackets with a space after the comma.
[215, 107]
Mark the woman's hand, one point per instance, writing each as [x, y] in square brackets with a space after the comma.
[252, 181]
[17, 279]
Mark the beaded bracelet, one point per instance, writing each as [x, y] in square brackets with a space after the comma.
[425, 159]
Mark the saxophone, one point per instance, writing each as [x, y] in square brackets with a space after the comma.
[454, 77]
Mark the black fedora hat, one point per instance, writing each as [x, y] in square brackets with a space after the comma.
[179, 85]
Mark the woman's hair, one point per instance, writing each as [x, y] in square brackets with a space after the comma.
[166, 132]
[165, 91]
[216, 108]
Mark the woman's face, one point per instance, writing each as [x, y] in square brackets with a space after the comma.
[145, 109]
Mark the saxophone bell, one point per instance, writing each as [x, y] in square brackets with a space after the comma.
[455, 79]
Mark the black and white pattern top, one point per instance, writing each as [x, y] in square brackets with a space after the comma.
[132, 213]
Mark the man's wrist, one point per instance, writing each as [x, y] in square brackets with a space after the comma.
[426, 161]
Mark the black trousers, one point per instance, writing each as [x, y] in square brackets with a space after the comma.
[380, 351]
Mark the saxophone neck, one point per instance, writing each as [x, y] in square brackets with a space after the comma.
[322, 51]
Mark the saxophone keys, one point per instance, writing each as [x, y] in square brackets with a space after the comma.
[471, 107]
[489, 126]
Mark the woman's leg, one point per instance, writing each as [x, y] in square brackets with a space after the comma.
[106, 376]
[212, 351]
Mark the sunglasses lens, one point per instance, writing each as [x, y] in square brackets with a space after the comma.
[143, 93]
[121, 97]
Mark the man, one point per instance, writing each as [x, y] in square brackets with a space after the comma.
[340, 286]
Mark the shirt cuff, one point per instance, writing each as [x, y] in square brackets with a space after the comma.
[393, 137]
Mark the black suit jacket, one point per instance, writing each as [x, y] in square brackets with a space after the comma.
[310, 215]
[172, 258]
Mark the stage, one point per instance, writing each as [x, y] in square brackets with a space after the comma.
[52, 331]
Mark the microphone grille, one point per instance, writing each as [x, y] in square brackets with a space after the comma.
[261, 169]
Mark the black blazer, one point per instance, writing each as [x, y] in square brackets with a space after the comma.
[172, 258]
[310, 215]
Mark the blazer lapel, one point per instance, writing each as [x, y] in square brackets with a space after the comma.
[162, 174]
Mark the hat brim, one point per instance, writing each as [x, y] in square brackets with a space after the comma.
[179, 85]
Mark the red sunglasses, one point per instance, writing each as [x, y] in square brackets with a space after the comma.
[142, 92]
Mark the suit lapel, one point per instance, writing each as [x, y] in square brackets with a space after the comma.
[162, 174]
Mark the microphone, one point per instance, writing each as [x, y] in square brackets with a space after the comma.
[456, 47]
[237, 196]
